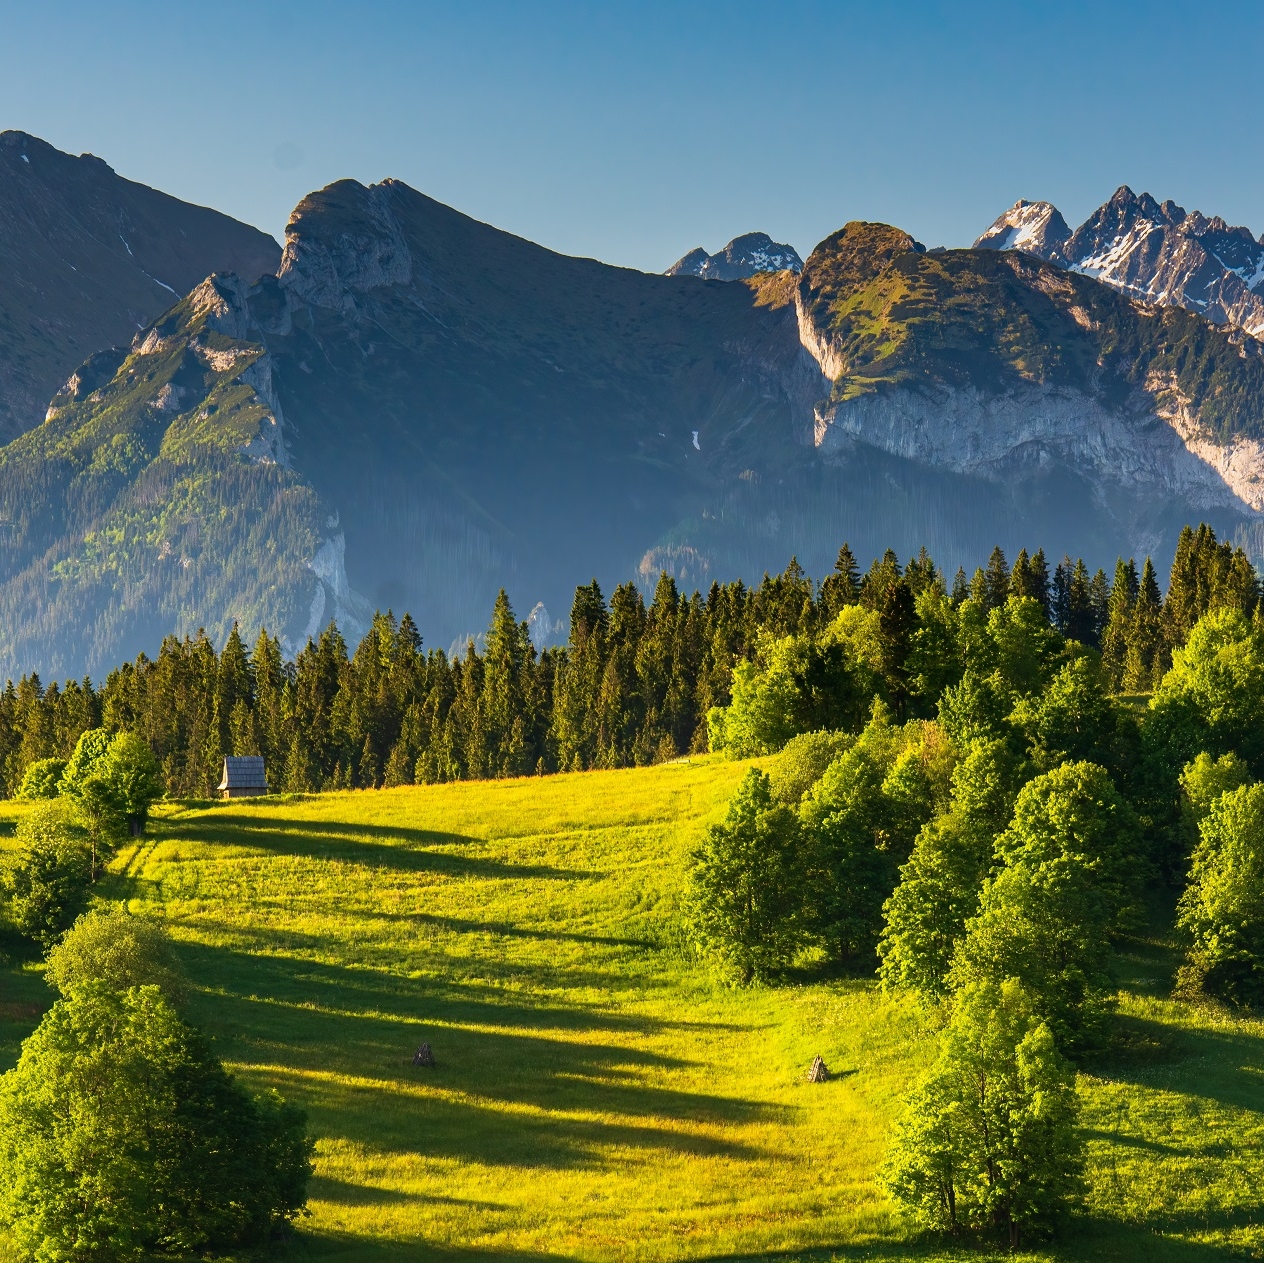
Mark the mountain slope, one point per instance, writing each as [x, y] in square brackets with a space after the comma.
[87, 258]
[419, 408]
[1155, 252]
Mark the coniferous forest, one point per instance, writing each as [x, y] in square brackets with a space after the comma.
[634, 685]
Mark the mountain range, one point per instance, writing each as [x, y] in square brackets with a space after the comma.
[415, 409]
[1155, 252]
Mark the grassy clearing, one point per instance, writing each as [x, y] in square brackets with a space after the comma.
[596, 1097]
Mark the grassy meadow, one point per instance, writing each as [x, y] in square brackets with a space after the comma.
[597, 1096]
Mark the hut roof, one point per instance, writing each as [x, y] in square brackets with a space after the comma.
[244, 771]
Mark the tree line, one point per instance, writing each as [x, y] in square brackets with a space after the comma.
[634, 684]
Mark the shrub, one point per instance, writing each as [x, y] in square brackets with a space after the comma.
[1223, 906]
[110, 946]
[47, 880]
[42, 780]
[746, 898]
[120, 1133]
[989, 1142]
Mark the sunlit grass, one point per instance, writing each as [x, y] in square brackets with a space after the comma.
[597, 1096]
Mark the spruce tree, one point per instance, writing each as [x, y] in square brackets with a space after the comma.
[842, 586]
[996, 580]
[1021, 581]
[1144, 658]
[1040, 582]
[921, 574]
[1123, 595]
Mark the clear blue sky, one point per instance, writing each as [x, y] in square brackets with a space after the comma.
[633, 132]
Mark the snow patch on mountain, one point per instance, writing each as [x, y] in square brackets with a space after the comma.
[743, 257]
[1033, 227]
[1153, 251]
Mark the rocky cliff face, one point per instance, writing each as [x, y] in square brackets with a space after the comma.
[1155, 252]
[742, 258]
[1117, 407]
[87, 258]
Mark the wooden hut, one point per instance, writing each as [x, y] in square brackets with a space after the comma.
[244, 776]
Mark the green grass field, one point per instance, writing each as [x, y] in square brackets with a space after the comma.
[596, 1096]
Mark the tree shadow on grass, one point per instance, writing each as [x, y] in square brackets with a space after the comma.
[289, 837]
[513, 1090]
[503, 929]
[259, 953]
[1085, 1240]
[323, 1188]
[513, 999]
[1221, 1065]
[345, 1247]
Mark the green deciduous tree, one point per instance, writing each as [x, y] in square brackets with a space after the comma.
[990, 1141]
[108, 945]
[1213, 696]
[940, 884]
[47, 879]
[1072, 876]
[121, 1133]
[747, 885]
[42, 780]
[133, 778]
[1223, 907]
[861, 818]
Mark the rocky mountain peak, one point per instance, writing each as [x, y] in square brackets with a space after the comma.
[1033, 227]
[743, 257]
[343, 240]
[1155, 251]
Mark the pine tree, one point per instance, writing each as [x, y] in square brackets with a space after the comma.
[842, 586]
[883, 574]
[1144, 660]
[921, 574]
[1123, 595]
[960, 587]
[1040, 582]
[1021, 581]
[996, 580]
[1099, 604]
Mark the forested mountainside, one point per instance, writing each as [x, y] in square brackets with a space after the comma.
[1154, 251]
[420, 409]
[87, 258]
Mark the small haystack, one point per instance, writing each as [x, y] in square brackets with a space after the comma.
[819, 1072]
[423, 1056]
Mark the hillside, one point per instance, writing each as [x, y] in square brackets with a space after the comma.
[596, 1097]
[86, 259]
